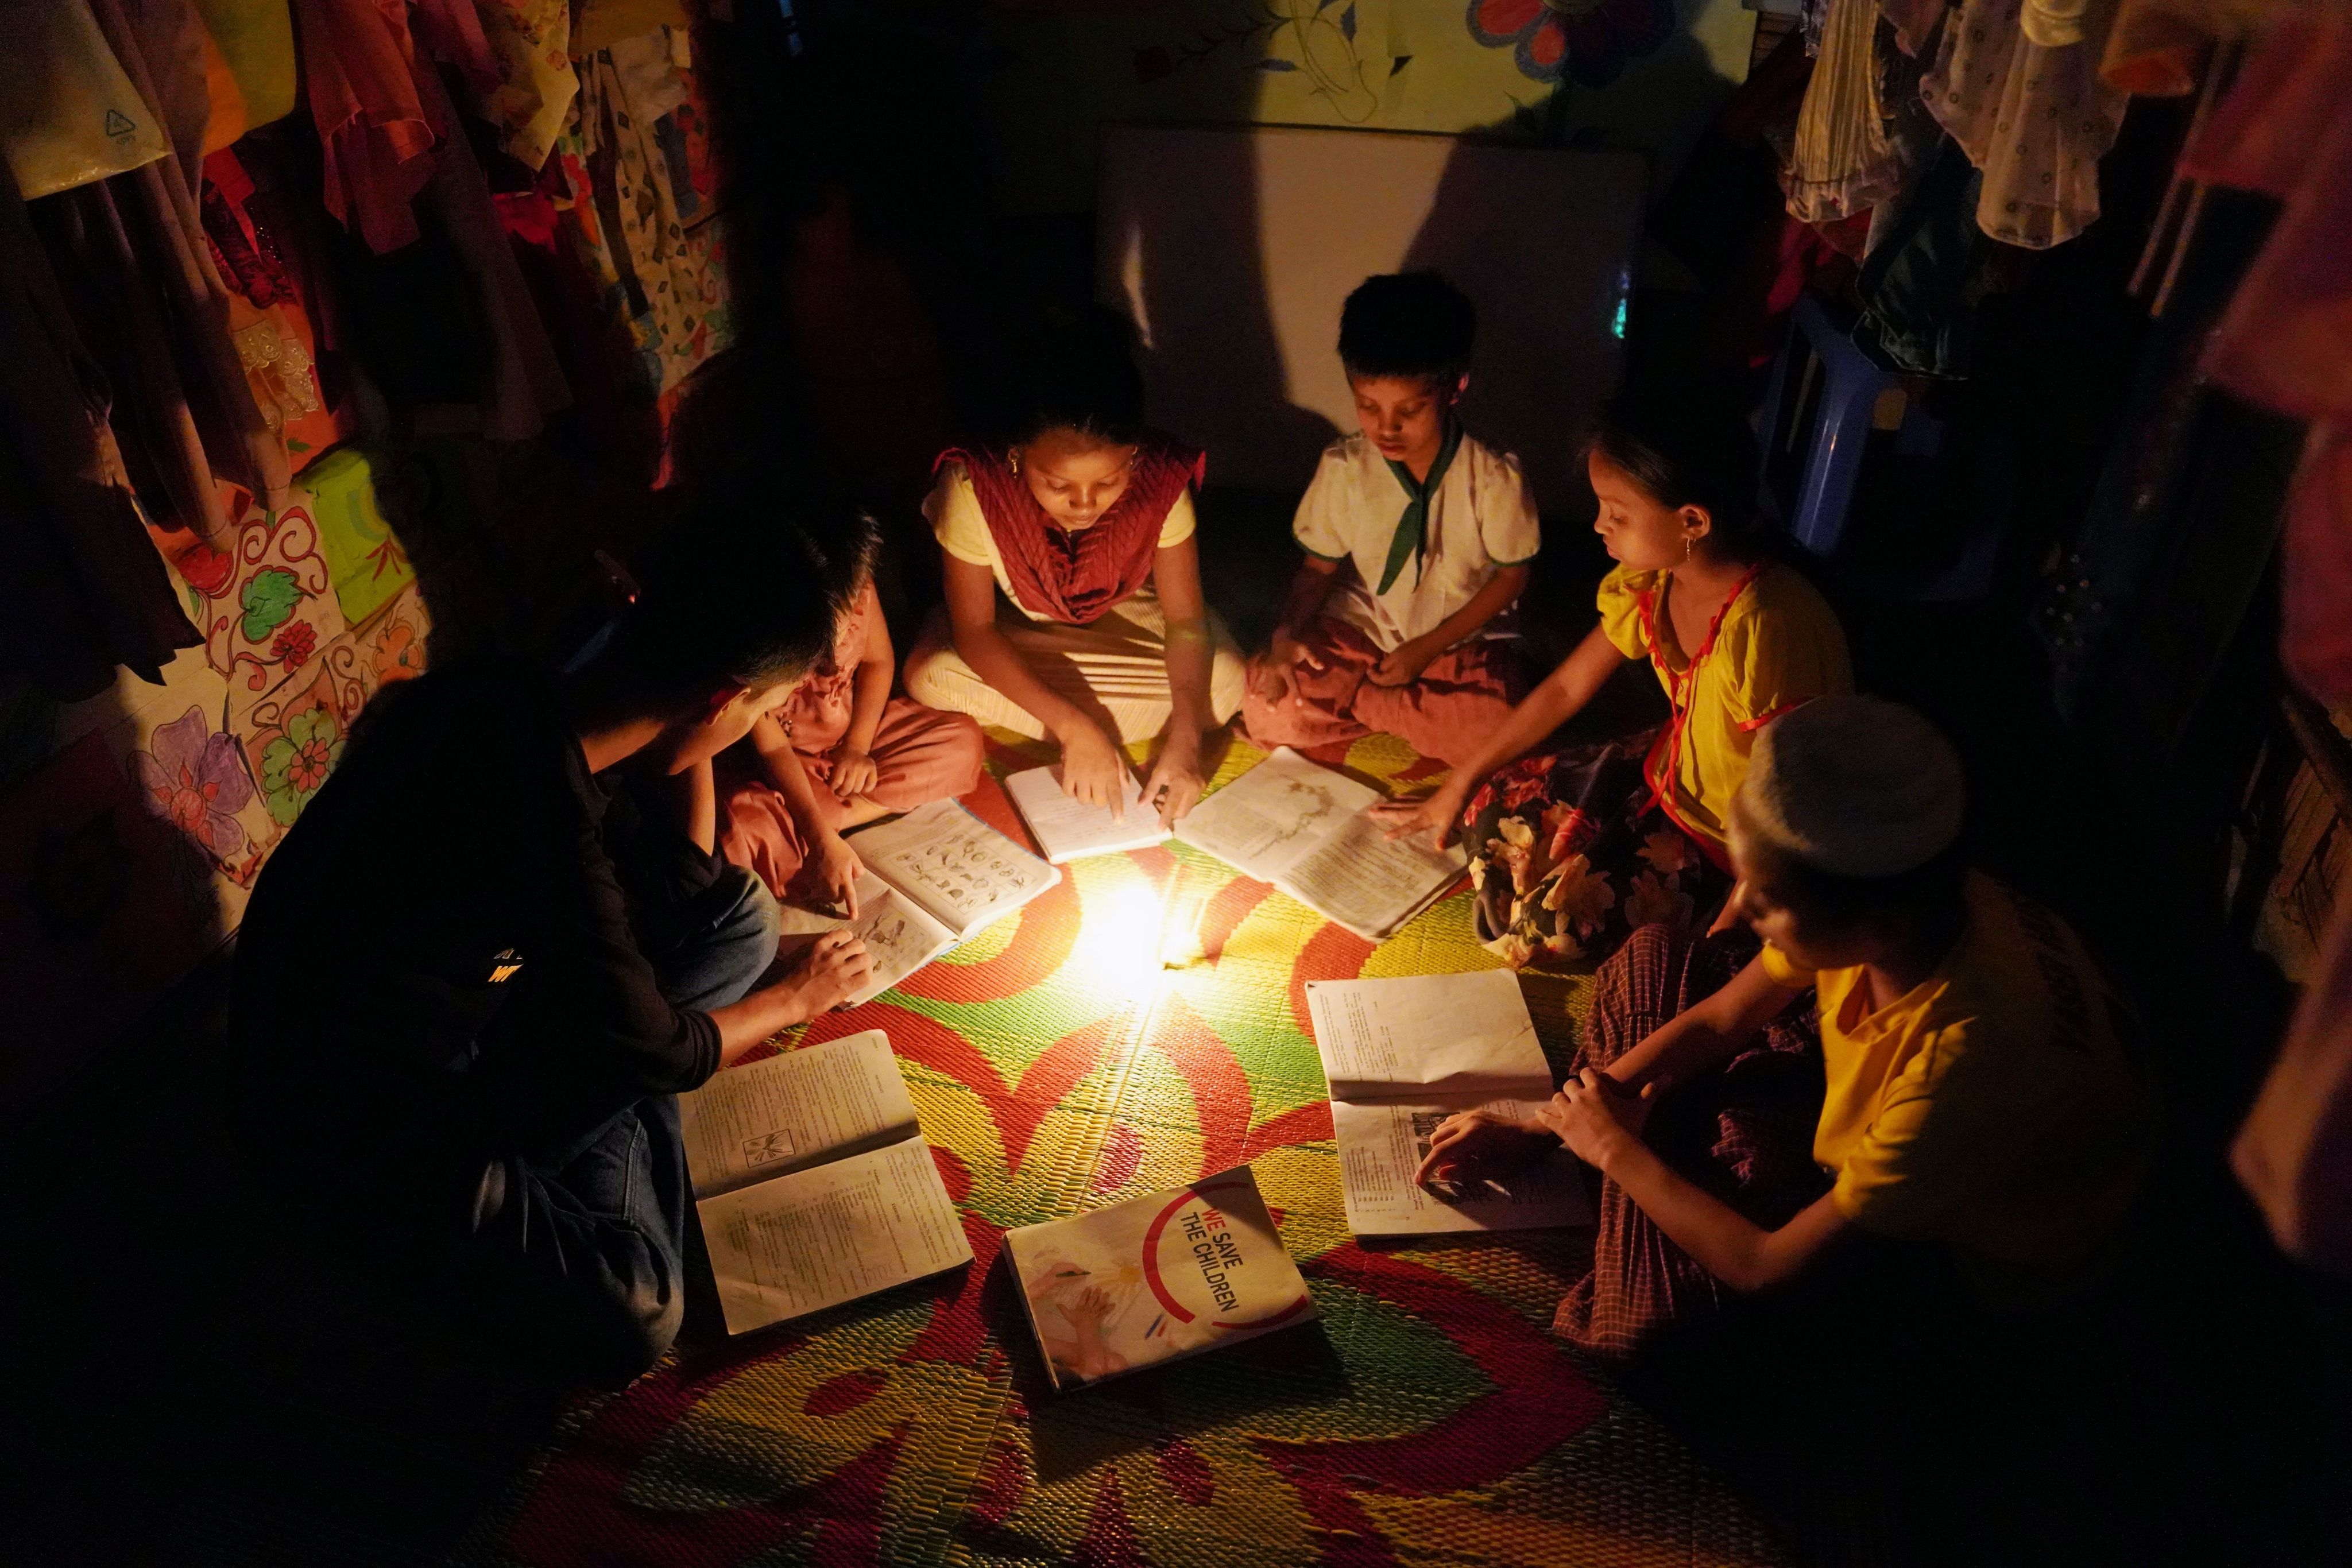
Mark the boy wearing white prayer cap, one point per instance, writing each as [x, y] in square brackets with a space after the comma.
[1978, 1096]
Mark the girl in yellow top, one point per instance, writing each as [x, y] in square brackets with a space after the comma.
[1572, 850]
[1978, 1096]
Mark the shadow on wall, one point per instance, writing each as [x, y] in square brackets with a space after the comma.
[1233, 250]
[1197, 289]
[104, 900]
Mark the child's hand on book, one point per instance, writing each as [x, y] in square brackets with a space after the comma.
[1473, 1148]
[1437, 815]
[1175, 785]
[838, 870]
[1094, 769]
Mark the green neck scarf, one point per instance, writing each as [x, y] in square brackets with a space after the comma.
[1413, 528]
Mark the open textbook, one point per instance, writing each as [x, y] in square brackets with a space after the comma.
[933, 878]
[1302, 829]
[1156, 1278]
[1401, 1056]
[813, 1182]
[1070, 829]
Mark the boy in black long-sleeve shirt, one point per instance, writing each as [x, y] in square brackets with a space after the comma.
[497, 945]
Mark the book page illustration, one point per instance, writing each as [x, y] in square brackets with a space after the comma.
[960, 870]
[899, 937]
[1266, 819]
[755, 1121]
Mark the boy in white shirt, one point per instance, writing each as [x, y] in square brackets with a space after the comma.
[1418, 538]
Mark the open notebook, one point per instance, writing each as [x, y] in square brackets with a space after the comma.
[813, 1182]
[1402, 1055]
[934, 878]
[1302, 828]
[1070, 829]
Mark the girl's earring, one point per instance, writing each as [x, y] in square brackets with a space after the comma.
[1690, 543]
[1013, 461]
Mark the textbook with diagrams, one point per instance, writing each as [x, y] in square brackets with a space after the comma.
[1156, 1279]
[1402, 1055]
[1302, 829]
[1069, 830]
[934, 878]
[813, 1182]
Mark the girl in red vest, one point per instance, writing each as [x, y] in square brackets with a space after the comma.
[1074, 607]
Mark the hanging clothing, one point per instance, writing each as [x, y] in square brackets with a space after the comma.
[81, 588]
[2294, 1152]
[2036, 116]
[1843, 160]
[168, 232]
[1726, 218]
[172, 46]
[248, 67]
[2284, 128]
[1073, 576]
[269, 320]
[52, 55]
[1919, 283]
[122, 318]
[531, 40]
[524, 383]
[663, 283]
[359, 74]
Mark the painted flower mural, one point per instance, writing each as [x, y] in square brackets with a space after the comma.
[195, 780]
[297, 761]
[397, 654]
[294, 643]
[1587, 41]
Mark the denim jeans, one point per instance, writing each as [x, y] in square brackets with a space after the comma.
[581, 1261]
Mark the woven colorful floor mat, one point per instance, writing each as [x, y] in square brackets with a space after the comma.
[1142, 1025]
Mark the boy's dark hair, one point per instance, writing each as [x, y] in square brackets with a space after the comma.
[746, 587]
[1080, 374]
[1408, 324]
[1689, 452]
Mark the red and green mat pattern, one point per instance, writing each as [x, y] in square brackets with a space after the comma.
[1141, 1025]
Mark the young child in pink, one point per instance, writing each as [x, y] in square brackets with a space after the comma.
[1417, 537]
[841, 751]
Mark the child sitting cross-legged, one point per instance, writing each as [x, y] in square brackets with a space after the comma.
[1072, 581]
[1977, 1100]
[840, 751]
[1418, 537]
[1572, 849]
